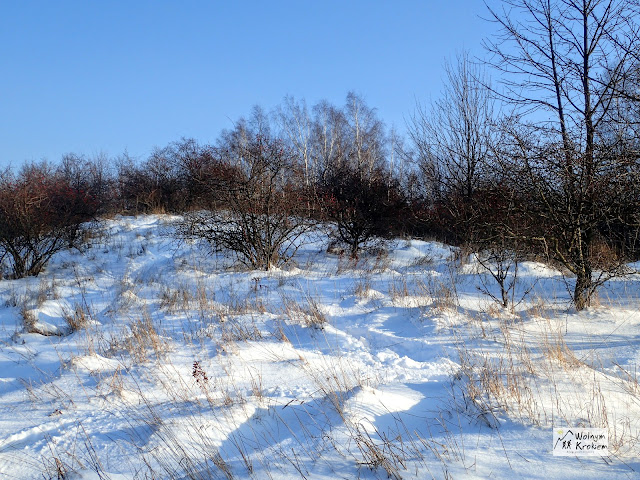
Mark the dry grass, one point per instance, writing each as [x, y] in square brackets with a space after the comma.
[532, 374]
[379, 452]
[238, 329]
[398, 288]
[307, 312]
[362, 286]
[143, 338]
[29, 320]
[79, 318]
[443, 294]
[422, 261]
[174, 300]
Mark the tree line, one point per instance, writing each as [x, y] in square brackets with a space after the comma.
[542, 162]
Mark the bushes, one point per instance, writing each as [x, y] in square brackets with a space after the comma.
[41, 213]
[177, 178]
[155, 186]
[363, 208]
[467, 179]
[261, 213]
[93, 176]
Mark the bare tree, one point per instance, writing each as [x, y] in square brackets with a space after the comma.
[358, 189]
[366, 136]
[90, 175]
[41, 213]
[454, 136]
[496, 240]
[295, 121]
[261, 212]
[363, 210]
[328, 138]
[454, 140]
[563, 64]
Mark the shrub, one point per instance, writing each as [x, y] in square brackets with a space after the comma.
[260, 213]
[363, 208]
[40, 214]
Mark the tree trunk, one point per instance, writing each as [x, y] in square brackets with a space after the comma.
[505, 294]
[583, 289]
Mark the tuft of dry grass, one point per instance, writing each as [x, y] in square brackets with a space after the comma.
[79, 319]
[398, 288]
[444, 296]
[531, 373]
[143, 337]
[362, 286]
[175, 299]
[238, 329]
[307, 313]
[29, 320]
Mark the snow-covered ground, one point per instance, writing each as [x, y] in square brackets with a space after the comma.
[162, 360]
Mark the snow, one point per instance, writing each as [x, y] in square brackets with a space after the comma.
[183, 365]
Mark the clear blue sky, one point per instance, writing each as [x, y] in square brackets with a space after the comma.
[89, 77]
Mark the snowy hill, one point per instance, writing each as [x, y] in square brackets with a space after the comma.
[144, 357]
